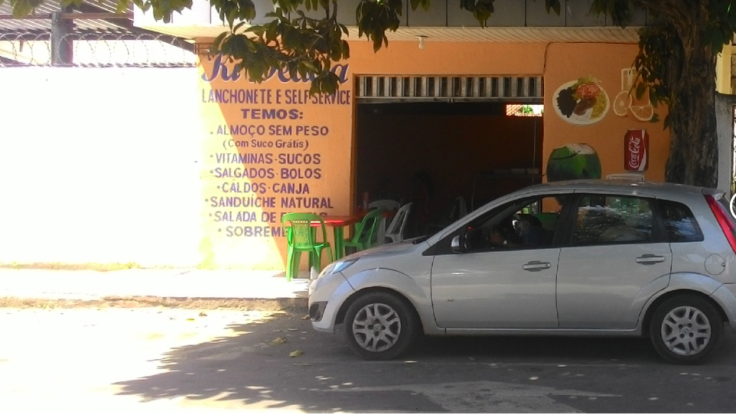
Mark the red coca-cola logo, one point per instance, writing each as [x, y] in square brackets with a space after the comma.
[635, 153]
[634, 159]
[634, 144]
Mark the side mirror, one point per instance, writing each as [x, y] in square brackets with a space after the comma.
[455, 245]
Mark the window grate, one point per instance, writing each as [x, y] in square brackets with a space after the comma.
[449, 87]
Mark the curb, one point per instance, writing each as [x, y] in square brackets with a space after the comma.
[260, 304]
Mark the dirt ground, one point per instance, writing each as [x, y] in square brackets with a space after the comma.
[66, 356]
[135, 355]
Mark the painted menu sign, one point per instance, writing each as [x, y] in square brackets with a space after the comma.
[268, 149]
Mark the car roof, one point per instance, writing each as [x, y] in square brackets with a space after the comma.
[617, 185]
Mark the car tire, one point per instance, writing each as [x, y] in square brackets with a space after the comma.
[685, 329]
[381, 326]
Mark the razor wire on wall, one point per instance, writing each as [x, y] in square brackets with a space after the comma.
[95, 49]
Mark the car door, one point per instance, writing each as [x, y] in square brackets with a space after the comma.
[616, 260]
[486, 286]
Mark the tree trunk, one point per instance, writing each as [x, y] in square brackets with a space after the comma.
[693, 157]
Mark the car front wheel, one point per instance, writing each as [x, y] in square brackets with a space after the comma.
[380, 326]
[685, 329]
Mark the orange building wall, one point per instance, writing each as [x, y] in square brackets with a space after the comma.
[557, 63]
[405, 58]
[567, 62]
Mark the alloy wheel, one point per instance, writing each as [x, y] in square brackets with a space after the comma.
[686, 331]
[376, 327]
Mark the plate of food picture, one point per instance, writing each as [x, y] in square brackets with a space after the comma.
[582, 101]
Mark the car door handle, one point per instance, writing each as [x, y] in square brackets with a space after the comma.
[649, 259]
[536, 266]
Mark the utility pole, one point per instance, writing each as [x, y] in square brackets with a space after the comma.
[62, 46]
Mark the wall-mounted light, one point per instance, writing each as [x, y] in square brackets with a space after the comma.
[421, 41]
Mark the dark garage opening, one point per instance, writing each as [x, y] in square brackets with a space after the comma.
[455, 144]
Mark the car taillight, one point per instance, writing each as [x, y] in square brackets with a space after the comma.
[729, 229]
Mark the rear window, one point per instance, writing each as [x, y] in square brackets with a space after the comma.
[608, 219]
[680, 223]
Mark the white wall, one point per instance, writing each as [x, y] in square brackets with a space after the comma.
[99, 165]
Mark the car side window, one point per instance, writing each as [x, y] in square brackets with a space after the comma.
[679, 222]
[608, 219]
[528, 223]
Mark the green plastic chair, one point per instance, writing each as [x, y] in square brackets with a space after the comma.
[366, 231]
[301, 237]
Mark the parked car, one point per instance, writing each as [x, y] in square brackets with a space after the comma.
[603, 257]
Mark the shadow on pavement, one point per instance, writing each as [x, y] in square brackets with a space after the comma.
[535, 349]
[250, 371]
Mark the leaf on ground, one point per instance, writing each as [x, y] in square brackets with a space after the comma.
[203, 314]
[306, 317]
[296, 353]
[190, 319]
[279, 340]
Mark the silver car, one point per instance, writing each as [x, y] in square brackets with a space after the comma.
[600, 257]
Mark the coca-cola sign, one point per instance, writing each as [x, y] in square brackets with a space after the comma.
[636, 150]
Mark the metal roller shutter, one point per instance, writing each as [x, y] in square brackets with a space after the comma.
[449, 88]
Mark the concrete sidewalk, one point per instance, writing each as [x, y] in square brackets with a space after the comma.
[189, 284]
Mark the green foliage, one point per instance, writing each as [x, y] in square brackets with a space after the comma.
[308, 46]
[552, 5]
[291, 41]
[22, 8]
[618, 10]
[303, 38]
[301, 45]
[162, 9]
[374, 17]
[526, 109]
[481, 9]
[658, 45]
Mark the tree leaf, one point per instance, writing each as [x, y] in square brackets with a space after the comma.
[640, 90]
[239, 25]
[278, 340]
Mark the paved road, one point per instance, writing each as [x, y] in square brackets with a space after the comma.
[164, 360]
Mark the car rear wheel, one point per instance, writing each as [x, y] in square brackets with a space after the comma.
[685, 329]
[380, 326]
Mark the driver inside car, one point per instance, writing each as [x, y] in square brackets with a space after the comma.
[531, 233]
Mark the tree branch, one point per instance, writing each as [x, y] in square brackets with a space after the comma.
[672, 8]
